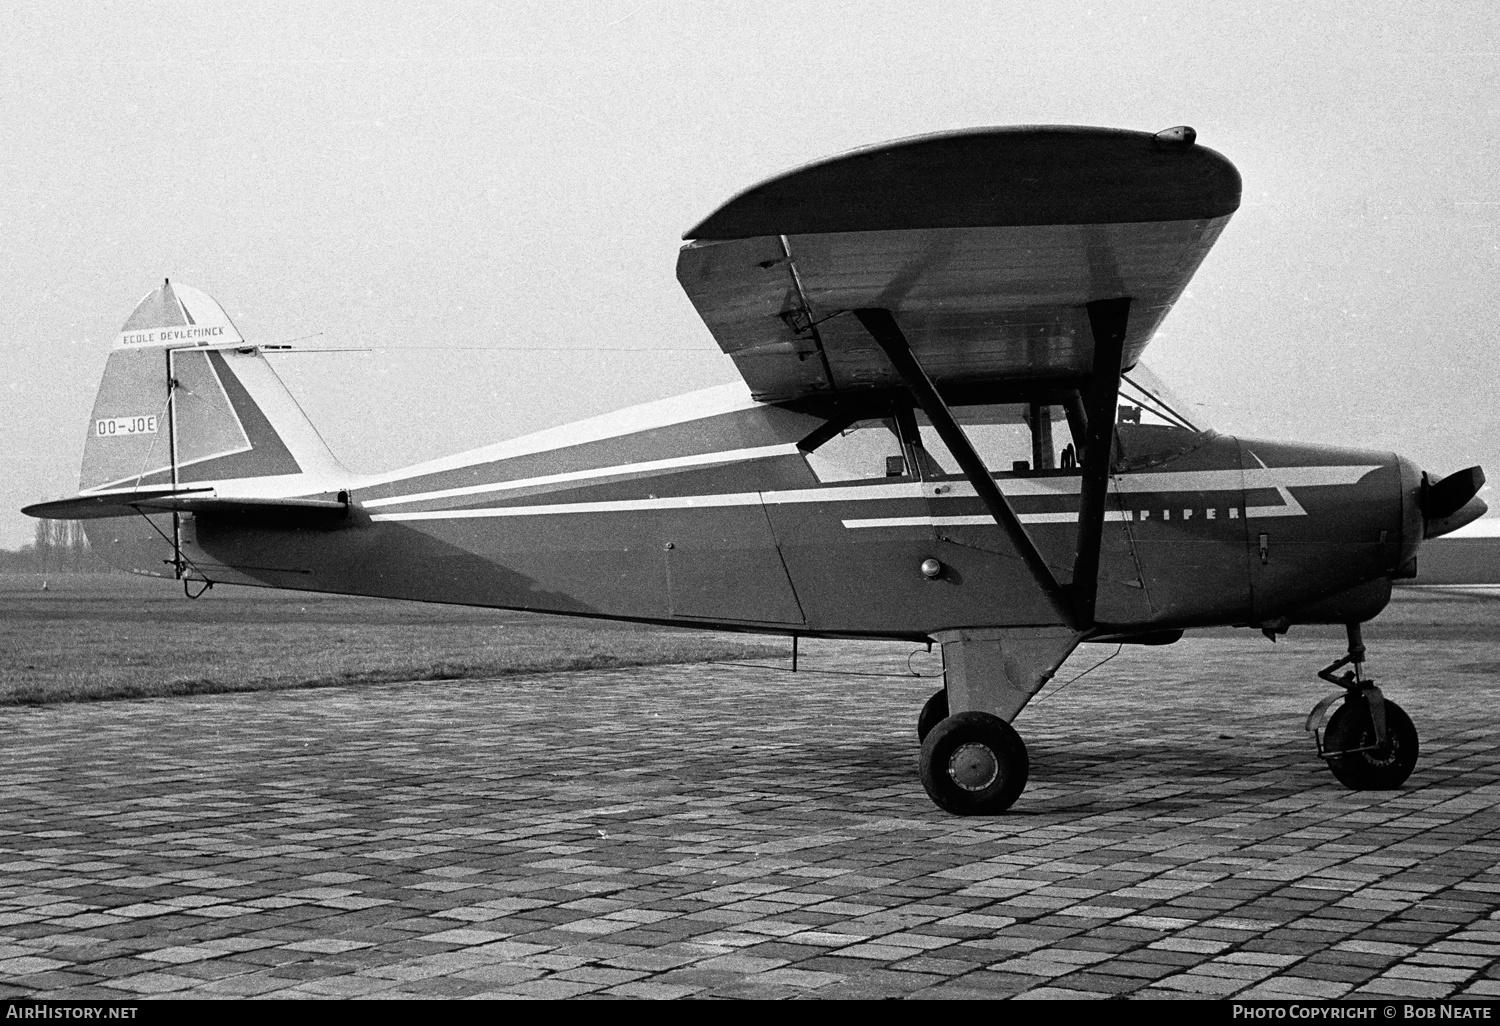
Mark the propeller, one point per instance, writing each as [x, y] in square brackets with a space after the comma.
[1448, 503]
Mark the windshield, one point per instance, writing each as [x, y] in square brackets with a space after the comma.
[1146, 399]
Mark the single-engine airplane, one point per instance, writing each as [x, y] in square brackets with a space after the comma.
[947, 436]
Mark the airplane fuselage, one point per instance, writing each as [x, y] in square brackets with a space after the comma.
[721, 519]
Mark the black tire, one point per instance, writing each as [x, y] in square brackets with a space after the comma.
[933, 713]
[974, 764]
[1384, 769]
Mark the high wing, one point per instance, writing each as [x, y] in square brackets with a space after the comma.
[984, 245]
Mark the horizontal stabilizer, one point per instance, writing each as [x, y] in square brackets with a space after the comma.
[187, 500]
[114, 504]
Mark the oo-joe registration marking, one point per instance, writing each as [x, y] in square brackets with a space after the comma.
[106, 427]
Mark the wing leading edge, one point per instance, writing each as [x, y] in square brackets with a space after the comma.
[986, 245]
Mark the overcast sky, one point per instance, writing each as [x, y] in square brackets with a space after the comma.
[513, 179]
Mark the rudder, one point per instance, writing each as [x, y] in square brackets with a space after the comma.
[185, 400]
[188, 407]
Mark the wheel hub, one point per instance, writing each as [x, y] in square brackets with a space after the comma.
[973, 766]
[1385, 755]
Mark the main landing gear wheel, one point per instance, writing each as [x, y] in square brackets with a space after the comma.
[973, 764]
[1354, 757]
[933, 713]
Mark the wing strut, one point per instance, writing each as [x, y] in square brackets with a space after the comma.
[1107, 319]
[887, 334]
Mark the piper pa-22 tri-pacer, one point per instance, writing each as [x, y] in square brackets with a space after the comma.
[947, 436]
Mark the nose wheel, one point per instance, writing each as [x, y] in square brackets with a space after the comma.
[1359, 761]
[1369, 742]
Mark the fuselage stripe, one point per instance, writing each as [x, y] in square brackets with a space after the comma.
[1164, 483]
[621, 470]
[980, 520]
[618, 506]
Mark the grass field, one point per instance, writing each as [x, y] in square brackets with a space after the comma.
[89, 637]
[103, 636]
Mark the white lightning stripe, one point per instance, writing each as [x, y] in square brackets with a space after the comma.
[1289, 506]
[1169, 481]
[1298, 477]
[1293, 509]
[620, 470]
[979, 521]
[906, 521]
[1180, 481]
[858, 493]
[1279, 478]
[620, 506]
[910, 490]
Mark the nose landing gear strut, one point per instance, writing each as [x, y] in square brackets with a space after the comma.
[1369, 741]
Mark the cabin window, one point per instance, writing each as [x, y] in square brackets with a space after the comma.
[865, 450]
[1003, 437]
[1146, 400]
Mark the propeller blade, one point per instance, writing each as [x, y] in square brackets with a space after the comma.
[1444, 496]
[1467, 514]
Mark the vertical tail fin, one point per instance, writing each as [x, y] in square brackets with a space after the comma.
[188, 406]
[186, 401]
